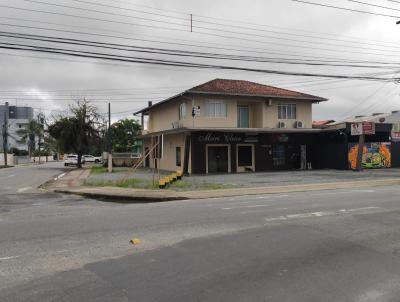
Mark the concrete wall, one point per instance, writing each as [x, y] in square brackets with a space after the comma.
[262, 115]
[10, 159]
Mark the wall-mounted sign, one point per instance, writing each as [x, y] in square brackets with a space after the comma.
[366, 128]
[395, 136]
[196, 111]
[251, 138]
[220, 138]
[283, 138]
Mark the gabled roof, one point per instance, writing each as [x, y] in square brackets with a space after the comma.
[242, 88]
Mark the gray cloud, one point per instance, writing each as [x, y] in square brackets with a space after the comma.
[26, 72]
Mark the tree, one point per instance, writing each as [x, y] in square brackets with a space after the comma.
[79, 132]
[123, 134]
[29, 135]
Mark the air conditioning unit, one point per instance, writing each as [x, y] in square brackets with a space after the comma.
[299, 124]
[281, 125]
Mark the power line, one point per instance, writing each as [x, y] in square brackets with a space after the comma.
[347, 9]
[198, 32]
[119, 58]
[236, 21]
[205, 45]
[206, 22]
[180, 53]
[373, 5]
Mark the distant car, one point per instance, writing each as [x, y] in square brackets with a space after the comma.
[71, 160]
[91, 159]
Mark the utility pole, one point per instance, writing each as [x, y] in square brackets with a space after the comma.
[5, 134]
[109, 141]
[361, 141]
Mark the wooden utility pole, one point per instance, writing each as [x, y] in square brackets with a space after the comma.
[361, 141]
[109, 161]
[5, 134]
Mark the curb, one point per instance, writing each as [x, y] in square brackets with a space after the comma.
[123, 197]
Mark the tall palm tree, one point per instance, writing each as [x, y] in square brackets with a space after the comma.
[29, 134]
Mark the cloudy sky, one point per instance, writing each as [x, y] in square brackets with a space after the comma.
[258, 34]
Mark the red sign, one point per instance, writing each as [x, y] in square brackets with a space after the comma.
[368, 128]
[362, 128]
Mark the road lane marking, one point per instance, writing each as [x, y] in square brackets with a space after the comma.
[21, 190]
[8, 258]
[247, 207]
[12, 175]
[318, 214]
[59, 176]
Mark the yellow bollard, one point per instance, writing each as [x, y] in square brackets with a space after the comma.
[161, 183]
[179, 174]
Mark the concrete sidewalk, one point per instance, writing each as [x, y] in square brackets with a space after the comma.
[72, 183]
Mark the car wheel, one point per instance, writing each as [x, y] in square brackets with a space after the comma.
[96, 161]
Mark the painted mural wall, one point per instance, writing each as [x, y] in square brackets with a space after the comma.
[375, 156]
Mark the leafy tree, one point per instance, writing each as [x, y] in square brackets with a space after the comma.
[29, 135]
[79, 132]
[124, 133]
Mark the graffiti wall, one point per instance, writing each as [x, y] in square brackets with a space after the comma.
[375, 155]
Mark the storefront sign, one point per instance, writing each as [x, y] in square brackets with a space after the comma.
[395, 136]
[283, 138]
[219, 138]
[395, 132]
[251, 138]
[365, 128]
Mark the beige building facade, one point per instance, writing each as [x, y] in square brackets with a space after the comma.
[220, 126]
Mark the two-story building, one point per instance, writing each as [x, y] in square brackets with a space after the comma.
[226, 126]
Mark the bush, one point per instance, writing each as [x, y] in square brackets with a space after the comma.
[41, 153]
[18, 152]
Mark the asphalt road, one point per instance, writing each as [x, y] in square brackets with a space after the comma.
[319, 246]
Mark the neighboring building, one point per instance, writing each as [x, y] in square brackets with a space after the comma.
[18, 118]
[381, 150]
[237, 126]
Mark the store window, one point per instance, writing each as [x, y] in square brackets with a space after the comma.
[278, 155]
[287, 111]
[216, 109]
[178, 156]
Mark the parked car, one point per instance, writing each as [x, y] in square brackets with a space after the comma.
[91, 159]
[71, 160]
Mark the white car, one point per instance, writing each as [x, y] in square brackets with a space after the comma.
[71, 160]
[91, 159]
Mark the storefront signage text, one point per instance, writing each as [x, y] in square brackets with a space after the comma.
[213, 138]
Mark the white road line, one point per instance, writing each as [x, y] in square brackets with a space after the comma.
[318, 214]
[8, 258]
[21, 190]
[12, 175]
[59, 176]
[247, 207]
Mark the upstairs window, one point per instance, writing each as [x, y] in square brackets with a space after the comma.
[216, 109]
[287, 111]
[182, 111]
